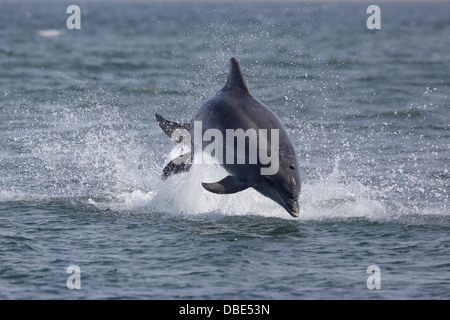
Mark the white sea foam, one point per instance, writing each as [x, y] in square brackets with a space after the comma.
[50, 33]
[334, 196]
[338, 196]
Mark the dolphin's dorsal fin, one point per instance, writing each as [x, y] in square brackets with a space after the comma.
[235, 79]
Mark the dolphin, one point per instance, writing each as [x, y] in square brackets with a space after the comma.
[234, 108]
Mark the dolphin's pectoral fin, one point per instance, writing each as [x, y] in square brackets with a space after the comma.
[229, 184]
[177, 165]
[169, 126]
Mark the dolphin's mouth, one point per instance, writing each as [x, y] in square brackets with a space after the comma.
[292, 207]
[294, 213]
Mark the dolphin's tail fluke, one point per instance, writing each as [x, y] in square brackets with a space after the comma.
[169, 127]
[182, 163]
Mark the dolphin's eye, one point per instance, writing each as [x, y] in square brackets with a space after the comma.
[292, 167]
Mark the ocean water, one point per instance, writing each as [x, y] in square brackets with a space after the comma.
[81, 154]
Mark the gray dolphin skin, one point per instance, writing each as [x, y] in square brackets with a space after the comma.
[233, 107]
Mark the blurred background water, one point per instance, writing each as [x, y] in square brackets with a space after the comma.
[81, 154]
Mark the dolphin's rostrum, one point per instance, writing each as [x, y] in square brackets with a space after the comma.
[234, 110]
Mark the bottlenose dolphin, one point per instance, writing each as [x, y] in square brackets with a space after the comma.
[234, 111]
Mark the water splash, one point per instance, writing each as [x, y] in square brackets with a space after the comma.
[105, 154]
[333, 196]
[96, 151]
[340, 196]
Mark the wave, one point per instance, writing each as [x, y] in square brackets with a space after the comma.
[50, 33]
[401, 113]
[157, 91]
